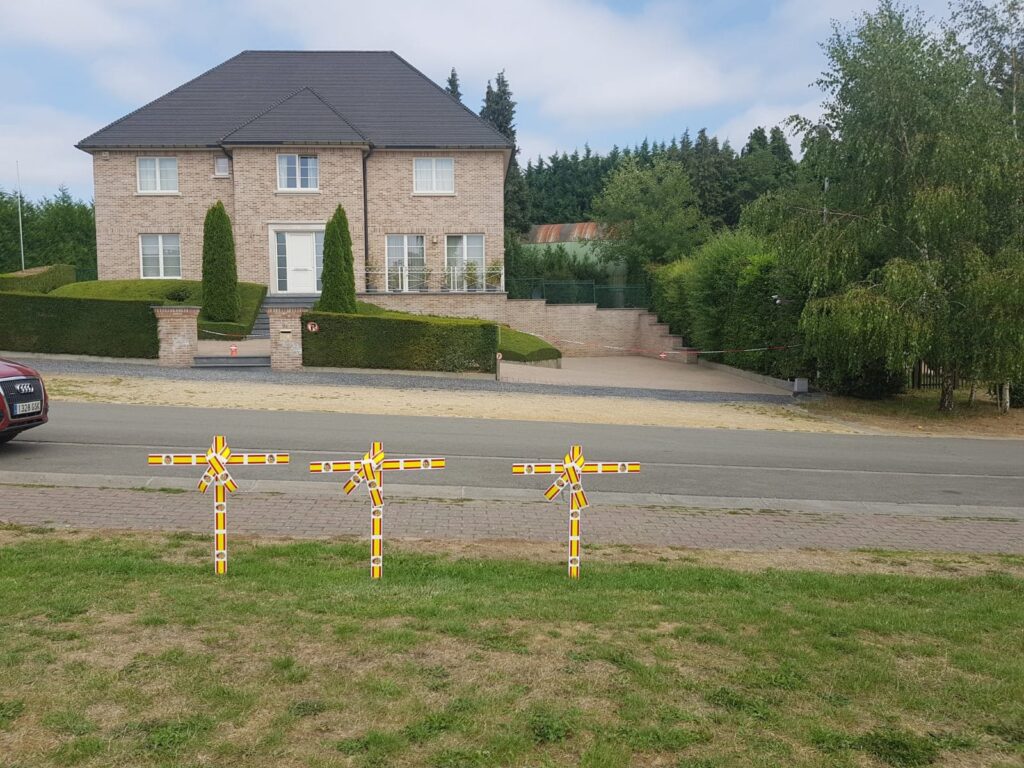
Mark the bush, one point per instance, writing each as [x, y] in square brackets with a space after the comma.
[220, 273]
[46, 323]
[182, 292]
[519, 347]
[38, 280]
[407, 343]
[338, 277]
[669, 290]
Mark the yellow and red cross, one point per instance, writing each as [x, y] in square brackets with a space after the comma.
[570, 480]
[370, 470]
[217, 460]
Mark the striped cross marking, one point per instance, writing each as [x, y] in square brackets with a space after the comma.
[370, 470]
[570, 477]
[217, 460]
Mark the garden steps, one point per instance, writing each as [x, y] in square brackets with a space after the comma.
[261, 328]
[227, 361]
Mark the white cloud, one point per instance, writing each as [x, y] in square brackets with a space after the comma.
[573, 60]
[41, 139]
[77, 26]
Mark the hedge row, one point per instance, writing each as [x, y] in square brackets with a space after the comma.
[42, 281]
[32, 322]
[518, 347]
[405, 343]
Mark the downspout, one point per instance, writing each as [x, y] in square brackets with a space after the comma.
[366, 222]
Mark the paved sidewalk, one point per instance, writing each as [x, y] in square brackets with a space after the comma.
[256, 513]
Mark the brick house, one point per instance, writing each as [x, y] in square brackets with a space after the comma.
[283, 137]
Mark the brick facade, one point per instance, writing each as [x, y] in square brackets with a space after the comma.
[285, 338]
[252, 201]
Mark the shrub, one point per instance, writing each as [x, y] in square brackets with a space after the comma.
[220, 274]
[669, 290]
[409, 343]
[103, 327]
[38, 280]
[338, 277]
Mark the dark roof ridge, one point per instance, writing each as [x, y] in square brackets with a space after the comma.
[82, 143]
[271, 108]
[504, 138]
[344, 119]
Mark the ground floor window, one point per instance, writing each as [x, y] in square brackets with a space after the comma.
[464, 262]
[161, 255]
[406, 265]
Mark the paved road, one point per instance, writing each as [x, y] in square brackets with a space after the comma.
[113, 440]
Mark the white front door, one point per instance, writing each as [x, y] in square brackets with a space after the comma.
[300, 252]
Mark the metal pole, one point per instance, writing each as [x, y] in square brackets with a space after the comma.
[21, 234]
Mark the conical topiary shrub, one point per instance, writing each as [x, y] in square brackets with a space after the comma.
[339, 279]
[220, 274]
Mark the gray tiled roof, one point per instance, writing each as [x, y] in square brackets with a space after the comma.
[293, 97]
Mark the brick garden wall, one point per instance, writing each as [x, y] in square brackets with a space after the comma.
[578, 330]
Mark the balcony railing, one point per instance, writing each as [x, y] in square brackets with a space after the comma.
[465, 279]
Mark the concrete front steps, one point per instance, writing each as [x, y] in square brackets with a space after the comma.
[220, 361]
[249, 353]
[261, 328]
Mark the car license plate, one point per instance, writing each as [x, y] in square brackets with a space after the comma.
[32, 406]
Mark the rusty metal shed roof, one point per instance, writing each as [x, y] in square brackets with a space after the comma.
[564, 233]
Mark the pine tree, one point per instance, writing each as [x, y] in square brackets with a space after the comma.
[339, 284]
[220, 274]
[500, 111]
[453, 86]
[758, 140]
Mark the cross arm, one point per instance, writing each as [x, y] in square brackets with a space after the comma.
[403, 464]
[610, 467]
[168, 459]
[537, 469]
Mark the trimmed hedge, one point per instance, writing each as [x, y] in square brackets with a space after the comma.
[32, 322]
[405, 343]
[43, 280]
[518, 347]
[190, 292]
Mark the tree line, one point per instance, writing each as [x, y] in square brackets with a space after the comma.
[56, 230]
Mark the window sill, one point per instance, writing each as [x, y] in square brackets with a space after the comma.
[160, 277]
[220, 176]
[158, 194]
[297, 192]
[433, 194]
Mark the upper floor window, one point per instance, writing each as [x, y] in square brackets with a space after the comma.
[222, 165]
[158, 174]
[298, 172]
[433, 175]
[161, 255]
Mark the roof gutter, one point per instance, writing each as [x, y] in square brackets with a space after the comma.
[366, 216]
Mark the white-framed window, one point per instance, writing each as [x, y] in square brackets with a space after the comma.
[161, 256]
[318, 245]
[406, 261]
[222, 165]
[298, 172]
[433, 176]
[157, 174]
[464, 260]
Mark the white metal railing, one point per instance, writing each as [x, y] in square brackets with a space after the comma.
[468, 278]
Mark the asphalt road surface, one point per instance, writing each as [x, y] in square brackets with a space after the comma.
[114, 440]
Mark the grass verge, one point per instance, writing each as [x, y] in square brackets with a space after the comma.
[918, 411]
[126, 650]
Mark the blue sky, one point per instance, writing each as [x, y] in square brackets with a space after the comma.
[582, 71]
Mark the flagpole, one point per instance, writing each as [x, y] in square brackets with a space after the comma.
[21, 234]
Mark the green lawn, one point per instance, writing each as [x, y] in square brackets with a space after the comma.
[184, 292]
[127, 651]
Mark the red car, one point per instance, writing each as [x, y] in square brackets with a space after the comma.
[23, 402]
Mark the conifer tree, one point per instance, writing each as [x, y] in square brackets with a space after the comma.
[338, 277]
[500, 111]
[220, 274]
[453, 86]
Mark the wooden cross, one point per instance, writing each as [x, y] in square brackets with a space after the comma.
[217, 459]
[570, 477]
[370, 470]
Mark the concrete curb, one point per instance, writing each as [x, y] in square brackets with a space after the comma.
[78, 358]
[457, 493]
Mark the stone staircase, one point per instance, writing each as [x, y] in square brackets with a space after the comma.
[261, 328]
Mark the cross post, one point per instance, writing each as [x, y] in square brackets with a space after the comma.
[370, 471]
